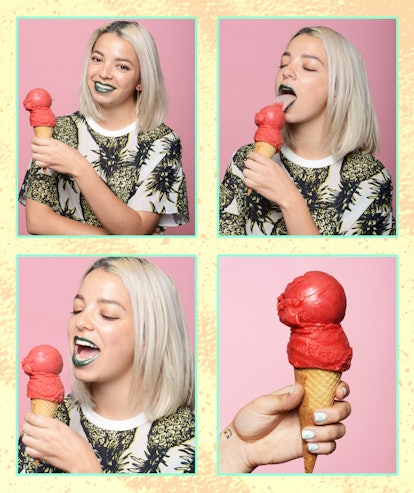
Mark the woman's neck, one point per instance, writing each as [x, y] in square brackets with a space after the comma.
[117, 118]
[114, 401]
[308, 142]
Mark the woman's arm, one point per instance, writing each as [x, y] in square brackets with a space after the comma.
[42, 220]
[115, 216]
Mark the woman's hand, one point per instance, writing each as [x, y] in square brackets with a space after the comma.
[115, 216]
[57, 156]
[267, 430]
[54, 442]
[270, 180]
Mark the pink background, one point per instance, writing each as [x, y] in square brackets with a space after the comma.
[253, 359]
[250, 51]
[60, 45]
[46, 288]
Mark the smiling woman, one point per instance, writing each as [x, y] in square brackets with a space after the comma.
[131, 407]
[113, 167]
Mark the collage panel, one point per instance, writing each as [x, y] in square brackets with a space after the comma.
[320, 111]
[110, 91]
[106, 346]
[307, 319]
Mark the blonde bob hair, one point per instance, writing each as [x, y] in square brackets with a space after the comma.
[350, 121]
[163, 361]
[151, 100]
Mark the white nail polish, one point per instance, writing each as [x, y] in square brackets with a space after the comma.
[319, 417]
[312, 447]
[307, 434]
[292, 389]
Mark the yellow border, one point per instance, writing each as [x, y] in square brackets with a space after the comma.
[206, 245]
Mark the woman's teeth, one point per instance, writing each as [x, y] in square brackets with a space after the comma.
[99, 87]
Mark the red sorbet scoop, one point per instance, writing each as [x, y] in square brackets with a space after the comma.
[270, 121]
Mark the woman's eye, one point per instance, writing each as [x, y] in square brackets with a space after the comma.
[109, 317]
[124, 67]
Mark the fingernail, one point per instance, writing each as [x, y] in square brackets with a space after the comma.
[292, 389]
[319, 417]
[307, 434]
[344, 391]
[312, 447]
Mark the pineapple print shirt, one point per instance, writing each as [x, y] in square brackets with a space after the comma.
[348, 196]
[142, 169]
[132, 446]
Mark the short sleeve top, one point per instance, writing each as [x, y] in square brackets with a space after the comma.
[143, 169]
[133, 446]
[350, 195]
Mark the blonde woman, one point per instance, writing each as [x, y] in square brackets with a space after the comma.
[325, 180]
[113, 167]
[133, 392]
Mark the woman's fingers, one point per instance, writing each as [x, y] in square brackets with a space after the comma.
[342, 390]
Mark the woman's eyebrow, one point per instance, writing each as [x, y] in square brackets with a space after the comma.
[313, 57]
[305, 55]
[107, 301]
[117, 59]
[102, 301]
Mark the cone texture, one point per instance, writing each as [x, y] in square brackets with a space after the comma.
[320, 386]
[44, 408]
[43, 131]
[265, 149]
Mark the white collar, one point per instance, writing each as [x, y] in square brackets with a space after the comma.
[310, 163]
[111, 133]
[115, 425]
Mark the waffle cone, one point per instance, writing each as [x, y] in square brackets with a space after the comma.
[41, 131]
[44, 408]
[320, 386]
[265, 149]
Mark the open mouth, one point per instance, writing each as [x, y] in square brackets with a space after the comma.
[103, 88]
[84, 351]
[286, 96]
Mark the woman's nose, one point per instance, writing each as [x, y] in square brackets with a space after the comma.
[105, 71]
[84, 321]
[288, 72]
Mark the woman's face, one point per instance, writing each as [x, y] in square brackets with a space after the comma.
[113, 73]
[304, 70]
[101, 330]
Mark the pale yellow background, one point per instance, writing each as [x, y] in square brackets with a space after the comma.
[206, 245]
